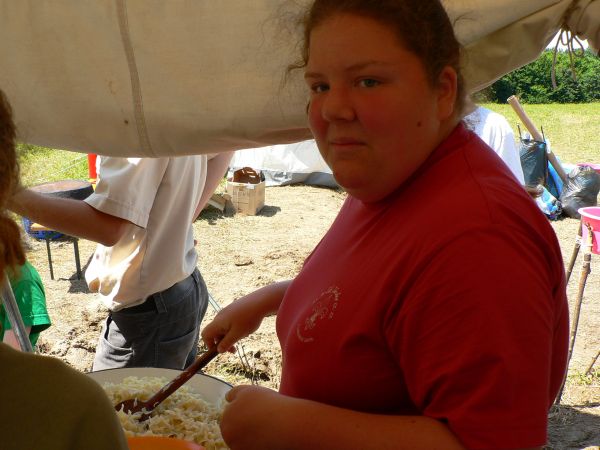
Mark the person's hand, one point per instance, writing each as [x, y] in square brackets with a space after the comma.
[232, 323]
[243, 316]
[248, 420]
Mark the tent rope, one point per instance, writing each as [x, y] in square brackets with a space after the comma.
[568, 38]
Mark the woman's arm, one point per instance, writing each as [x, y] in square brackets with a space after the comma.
[70, 216]
[216, 168]
[259, 418]
[243, 316]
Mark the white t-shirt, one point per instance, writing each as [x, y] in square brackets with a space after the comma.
[158, 196]
[496, 132]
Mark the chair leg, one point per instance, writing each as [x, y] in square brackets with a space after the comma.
[77, 262]
[49, 258]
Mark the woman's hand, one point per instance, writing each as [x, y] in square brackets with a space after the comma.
[243, 317]
[249, 418]
[232, 323]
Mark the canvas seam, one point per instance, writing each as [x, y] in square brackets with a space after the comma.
[136, 90]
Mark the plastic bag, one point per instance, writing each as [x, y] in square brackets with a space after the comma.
[580, 191]
[534, 162]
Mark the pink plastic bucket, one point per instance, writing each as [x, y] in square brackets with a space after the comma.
[591, 215]
[596, 167]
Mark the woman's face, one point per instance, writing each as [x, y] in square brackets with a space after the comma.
[372, 111]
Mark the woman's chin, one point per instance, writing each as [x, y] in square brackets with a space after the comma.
[349, 183]
[365, 190]
[356, 187]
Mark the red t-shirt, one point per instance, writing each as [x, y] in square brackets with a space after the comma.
[447, 299]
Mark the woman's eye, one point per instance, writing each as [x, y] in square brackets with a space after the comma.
[318, 88]
[368, 82]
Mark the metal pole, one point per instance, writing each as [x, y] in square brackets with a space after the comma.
[585, 271]
[239, 346]
[574, 254]
[591, 366]
[14, 316]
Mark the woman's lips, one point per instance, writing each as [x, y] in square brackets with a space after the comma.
[348, 150]
[345, 145]
[345, 141]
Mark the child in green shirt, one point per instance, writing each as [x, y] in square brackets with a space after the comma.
[31, 299]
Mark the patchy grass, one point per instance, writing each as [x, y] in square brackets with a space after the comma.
[41, 164]
[584, 379]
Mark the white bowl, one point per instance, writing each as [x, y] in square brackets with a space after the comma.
[210, 388]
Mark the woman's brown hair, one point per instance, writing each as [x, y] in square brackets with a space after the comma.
[422, 26]
[11, 251]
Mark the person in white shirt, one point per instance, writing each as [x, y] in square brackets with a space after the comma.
[496, 132]
[144, 268]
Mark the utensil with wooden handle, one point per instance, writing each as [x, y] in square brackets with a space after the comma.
[134, 405]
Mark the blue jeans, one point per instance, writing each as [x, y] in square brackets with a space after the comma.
[161, 332]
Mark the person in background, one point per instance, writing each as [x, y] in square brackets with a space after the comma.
[29, 293]
[431, 314]
[47, 404]
[496, 132]
[144, 268]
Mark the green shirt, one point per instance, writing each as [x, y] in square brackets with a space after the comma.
[31, 299]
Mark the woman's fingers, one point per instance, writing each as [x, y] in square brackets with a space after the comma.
[213, 333]
[226, 344]
[233, 392]
[219, 334]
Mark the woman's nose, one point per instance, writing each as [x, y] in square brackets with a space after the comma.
[337, 106]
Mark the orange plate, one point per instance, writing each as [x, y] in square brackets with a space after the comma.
[160, 443]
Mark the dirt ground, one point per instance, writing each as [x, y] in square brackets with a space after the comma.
[241, 253]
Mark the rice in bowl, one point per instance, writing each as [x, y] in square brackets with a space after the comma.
[184, 414]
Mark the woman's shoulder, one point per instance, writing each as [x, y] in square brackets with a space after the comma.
[47, 369]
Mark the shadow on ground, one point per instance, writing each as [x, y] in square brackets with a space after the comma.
[586, 435]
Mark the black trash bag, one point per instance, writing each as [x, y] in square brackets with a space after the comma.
[534, 162]
[580, 190]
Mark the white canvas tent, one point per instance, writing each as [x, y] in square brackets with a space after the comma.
[286, 164]
[166, 78]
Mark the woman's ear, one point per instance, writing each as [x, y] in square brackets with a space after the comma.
[447, 88]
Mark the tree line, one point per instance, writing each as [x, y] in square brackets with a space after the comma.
[533, 83]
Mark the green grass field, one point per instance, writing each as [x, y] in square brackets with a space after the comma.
[573, 131]
[41, 164]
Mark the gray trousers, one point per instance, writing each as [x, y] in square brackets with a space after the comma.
[161, 332]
